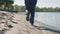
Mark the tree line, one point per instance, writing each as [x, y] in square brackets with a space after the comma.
[49, 9]
[8, 4]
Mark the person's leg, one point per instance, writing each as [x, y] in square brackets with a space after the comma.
[27, 5]
[27, 16]
[32, 10]
[32, 17]
[30, 6]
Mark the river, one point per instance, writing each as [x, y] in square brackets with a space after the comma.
[49, 18]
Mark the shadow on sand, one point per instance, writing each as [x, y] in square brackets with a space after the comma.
[46, 28]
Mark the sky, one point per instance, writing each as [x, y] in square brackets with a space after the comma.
[41, 3]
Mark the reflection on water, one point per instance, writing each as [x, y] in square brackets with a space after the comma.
[50, 18]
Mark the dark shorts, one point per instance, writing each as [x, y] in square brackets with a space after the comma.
[30, 4]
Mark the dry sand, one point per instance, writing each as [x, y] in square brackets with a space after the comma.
[24, 27]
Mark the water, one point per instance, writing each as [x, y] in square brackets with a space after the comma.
[49, 18]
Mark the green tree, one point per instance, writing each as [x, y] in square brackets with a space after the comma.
[6, 3]
[1, 3]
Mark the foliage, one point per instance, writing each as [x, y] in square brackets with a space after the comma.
[49, 9]
[17, 8]
[6, 3]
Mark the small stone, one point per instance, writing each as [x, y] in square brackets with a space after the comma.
[3, 21]
[10, 26]
[15, 21]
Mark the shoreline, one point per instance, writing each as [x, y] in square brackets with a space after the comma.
[24, 27]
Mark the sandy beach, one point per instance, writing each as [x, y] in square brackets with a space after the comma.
[24, 27]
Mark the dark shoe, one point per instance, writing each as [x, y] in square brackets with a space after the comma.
[27, 18]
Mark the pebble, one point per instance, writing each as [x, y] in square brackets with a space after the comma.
[6, 20]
